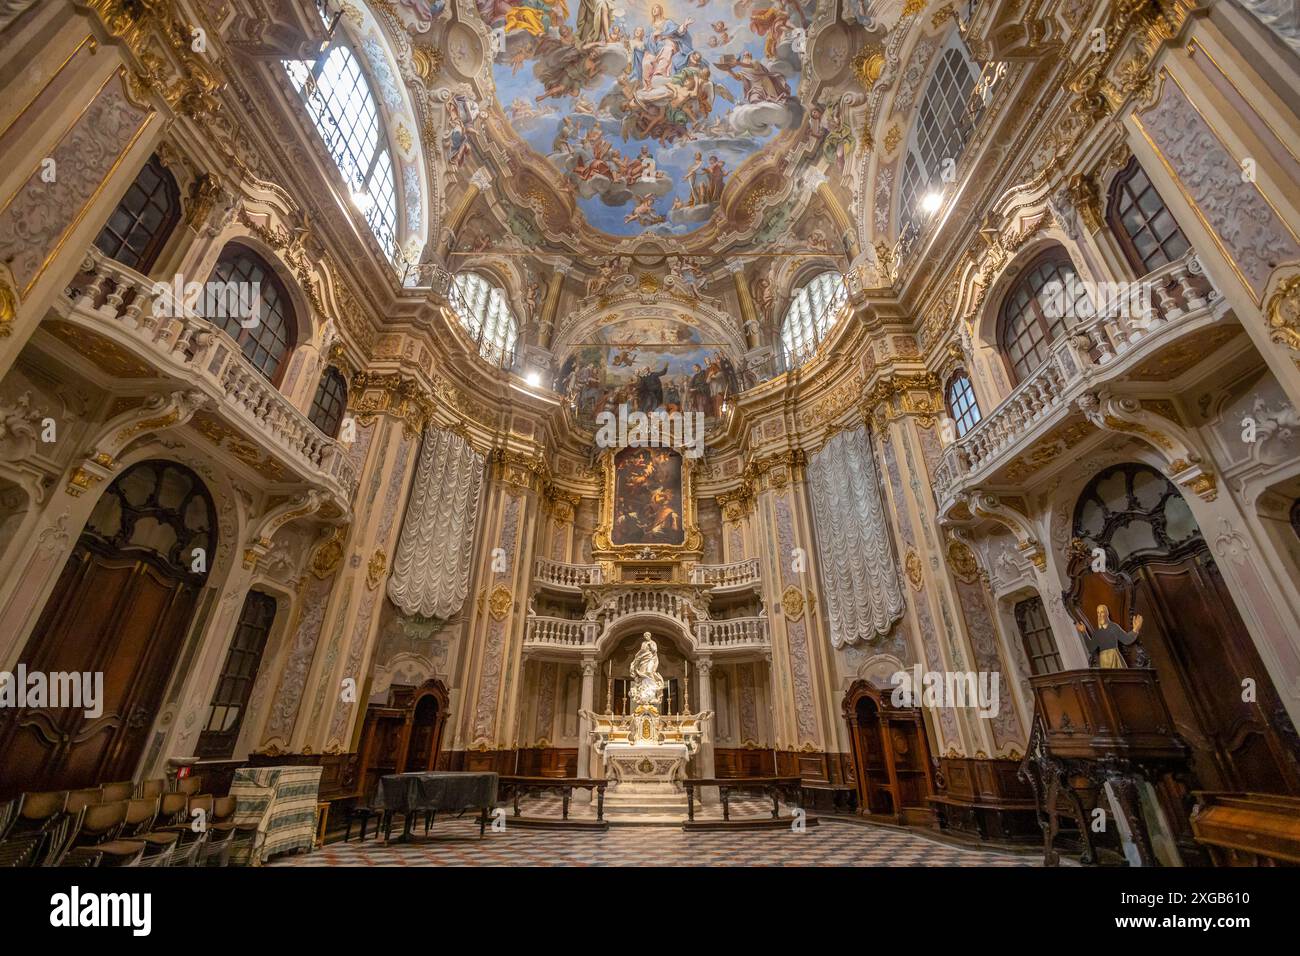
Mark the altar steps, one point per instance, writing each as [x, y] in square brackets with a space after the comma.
[645, 809]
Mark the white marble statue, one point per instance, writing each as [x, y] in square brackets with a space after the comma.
[647, 684]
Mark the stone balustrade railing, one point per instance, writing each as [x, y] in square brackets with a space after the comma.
[736, 632]
[558, 632]
[648, 600]
[178, 342]
[1077, 362]
[736, 574]
[564, 575]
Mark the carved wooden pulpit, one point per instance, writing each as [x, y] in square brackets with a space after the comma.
[1109, 726]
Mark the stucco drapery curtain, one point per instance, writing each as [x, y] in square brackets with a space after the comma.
[864, 593]
[1280, 16]
[431, 569]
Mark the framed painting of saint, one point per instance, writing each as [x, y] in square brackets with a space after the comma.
[648, 497]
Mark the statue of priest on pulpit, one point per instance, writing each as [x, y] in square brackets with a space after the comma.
[1105, 641]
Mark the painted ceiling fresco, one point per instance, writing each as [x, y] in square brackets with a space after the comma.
[647, 107]
[647, 365]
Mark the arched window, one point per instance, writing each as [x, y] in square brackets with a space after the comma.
[1036, 636]
[1046, 299]
[963, 409]
[810, 316]
[943, 126]
[485, 313]
[1146, 231]
[145, 216]
[330, 402]
[245, 298]
[1132, 511]
[342, 106]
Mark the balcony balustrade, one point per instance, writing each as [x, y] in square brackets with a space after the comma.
[120, 304]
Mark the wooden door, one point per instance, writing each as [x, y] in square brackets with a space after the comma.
[422, 753]
[121, 608]
[119, 616]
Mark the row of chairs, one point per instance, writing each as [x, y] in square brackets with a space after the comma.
[122, 824]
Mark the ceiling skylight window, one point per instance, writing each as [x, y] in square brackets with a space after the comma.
[811, 315]
[485, 313]
[343, 108]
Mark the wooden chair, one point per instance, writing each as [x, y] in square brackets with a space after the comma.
[159, 844]
[22, 850]
[78, 799]
[60, 836]
[9, 814]
[100, 826]
[152, 788]
[226, 835]
[364, 815]
[39, 812]
[113, 792]
[171, 811]
[189, 785]
[189, 843]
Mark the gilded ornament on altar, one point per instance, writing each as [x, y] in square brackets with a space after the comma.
[499, 602]
[792, 603]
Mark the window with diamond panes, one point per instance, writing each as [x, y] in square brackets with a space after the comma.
[144, 218]
[1036, 635]
[943, 126]
[330, 402]
[1045, 301]
[1146, 230]
[245, 298]
[962, 407]
[344, 111]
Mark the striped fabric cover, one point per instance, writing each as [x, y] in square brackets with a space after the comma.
[281, 802]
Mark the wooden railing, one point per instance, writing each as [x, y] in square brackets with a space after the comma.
[513, 788]
[773, 787]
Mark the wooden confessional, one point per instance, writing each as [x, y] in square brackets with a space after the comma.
[891, 758]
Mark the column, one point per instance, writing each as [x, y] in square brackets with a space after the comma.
[704, 668]
[546, 329]
[589, 666]
[748, 314]
[498, 616]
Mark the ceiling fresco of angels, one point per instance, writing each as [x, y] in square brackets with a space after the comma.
[647, 107]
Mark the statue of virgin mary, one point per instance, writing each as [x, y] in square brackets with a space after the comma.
[647, 685]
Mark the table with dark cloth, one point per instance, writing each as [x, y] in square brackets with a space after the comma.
[427, 792]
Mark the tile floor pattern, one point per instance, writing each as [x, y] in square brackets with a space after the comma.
[455, 842]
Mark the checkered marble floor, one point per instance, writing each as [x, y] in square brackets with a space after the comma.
[455, 842]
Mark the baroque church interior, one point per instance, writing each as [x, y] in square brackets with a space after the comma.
[817, 431]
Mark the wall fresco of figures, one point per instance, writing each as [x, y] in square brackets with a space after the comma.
[648, 106]
[648, 497]
[647, 364]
